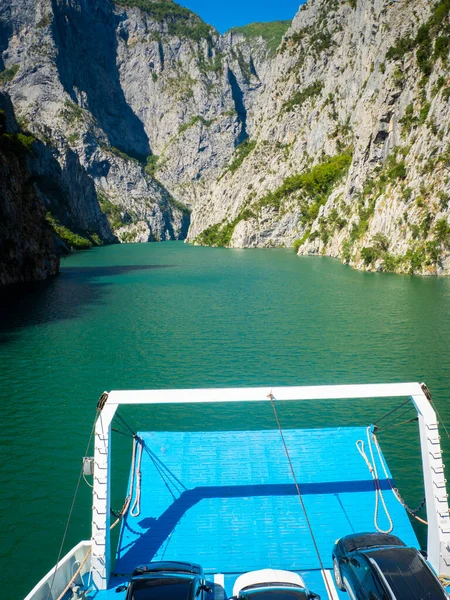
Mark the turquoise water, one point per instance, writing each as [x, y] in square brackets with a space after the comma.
[171, 315]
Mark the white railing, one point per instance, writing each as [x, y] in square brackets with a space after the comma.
[438, 544]
[53, 584]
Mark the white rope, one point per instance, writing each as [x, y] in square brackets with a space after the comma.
[138, 484]
[87, 482]
[135, 510]
[373, 470]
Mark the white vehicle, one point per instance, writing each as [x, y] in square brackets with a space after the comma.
[272, 584]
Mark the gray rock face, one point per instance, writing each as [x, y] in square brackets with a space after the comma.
[335, 143]
[68, 92]
[26, 239]
[336, 88]
[106, 86]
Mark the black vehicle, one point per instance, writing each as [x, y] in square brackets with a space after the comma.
[374, 566]
[166, 581]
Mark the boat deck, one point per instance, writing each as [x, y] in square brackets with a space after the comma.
[227, 500]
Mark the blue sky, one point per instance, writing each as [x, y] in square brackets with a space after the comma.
[232, 13]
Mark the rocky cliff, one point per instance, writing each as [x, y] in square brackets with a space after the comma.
[137, 106]
[330, 136]
[348, 148]
[26, 238]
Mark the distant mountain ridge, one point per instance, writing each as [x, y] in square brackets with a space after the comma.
[328, 133]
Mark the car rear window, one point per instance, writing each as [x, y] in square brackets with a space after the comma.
[368, 540]
[160, 589]
[407, 574]
[278, 595]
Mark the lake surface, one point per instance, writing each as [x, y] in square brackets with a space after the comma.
[171, 315]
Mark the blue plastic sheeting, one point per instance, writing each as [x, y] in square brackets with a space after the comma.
[227, 500]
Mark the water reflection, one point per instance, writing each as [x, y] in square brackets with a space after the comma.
[108, 271]
[63, 296]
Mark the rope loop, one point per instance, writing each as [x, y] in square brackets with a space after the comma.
[360, 446]
[135, 473]
[379, 498]
[135, 510]
[378, 492]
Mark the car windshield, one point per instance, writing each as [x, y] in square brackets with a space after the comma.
[407, 574]
[172, 588]
[276, 594]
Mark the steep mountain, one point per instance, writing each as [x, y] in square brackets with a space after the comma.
[329, 134]
[140, 98]
[349, 151]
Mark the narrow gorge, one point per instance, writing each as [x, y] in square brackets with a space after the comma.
[135, 121]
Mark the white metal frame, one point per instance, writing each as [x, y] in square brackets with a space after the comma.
[438, 543]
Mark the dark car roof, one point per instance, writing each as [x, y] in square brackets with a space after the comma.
[407, 574]
[168, 567]
[368, 540]
[160, 588]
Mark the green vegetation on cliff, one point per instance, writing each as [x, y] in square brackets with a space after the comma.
[177, 205]
[9, 74]
[220, 234]
[197, 119]
[432, 41]
[316, 184]
[20, 143]
[313, 39]
[272, 33]
[420, 255]
[111, 211]
[300, 241]
[73, 240]
[299, 98]
[180, 21]
[427, 241]
[71, 113]
[152, 165]
[240, 154]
